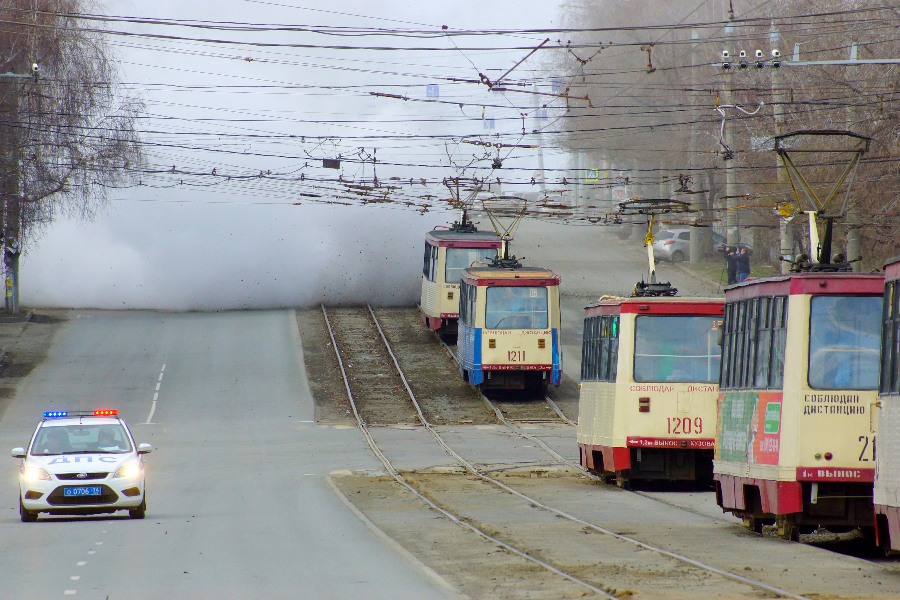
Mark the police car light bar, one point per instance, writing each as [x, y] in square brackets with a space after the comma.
[101, 412]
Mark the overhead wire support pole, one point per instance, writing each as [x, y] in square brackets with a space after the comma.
[11, 208]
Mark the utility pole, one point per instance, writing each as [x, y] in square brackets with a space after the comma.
[11, 189]
[538, 126]
[732, 236]
[853, 233]
[785, 232]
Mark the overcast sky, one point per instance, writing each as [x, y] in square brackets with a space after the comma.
[208, 237]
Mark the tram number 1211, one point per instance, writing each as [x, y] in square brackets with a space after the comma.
[685, 425]
[515, 355]
[867, 448]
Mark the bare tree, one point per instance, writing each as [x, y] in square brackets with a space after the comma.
[655, 90]
[66, 131]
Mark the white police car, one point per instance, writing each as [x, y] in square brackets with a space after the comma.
[79, 463]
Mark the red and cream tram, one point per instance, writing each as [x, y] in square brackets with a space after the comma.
[509, 326]
[795, 441]
[649, 383]
[447, 253]
[887, 463]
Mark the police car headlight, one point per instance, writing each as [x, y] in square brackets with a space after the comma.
[35, 474]
[128, 470]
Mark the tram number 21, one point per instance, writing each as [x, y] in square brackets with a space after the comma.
[685, 425]
[515, 355]
[866, 448]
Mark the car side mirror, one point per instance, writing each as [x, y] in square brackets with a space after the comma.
[18, 453]
[145, 448]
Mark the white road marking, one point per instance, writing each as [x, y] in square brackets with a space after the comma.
[75, 577]
[149, 420]
[70, 592]
[81, 563]
[92, 552]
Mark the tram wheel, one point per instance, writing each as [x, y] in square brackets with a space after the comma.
[623, 482]
[788, 528]
[753, 524]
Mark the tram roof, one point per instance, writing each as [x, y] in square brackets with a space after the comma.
[808, 283]
[892, 268]
[521, 276]
[462, 239]
[664, 305]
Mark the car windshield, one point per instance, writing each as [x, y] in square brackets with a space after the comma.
[81, 439]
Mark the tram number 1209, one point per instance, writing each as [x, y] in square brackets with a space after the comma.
[685, 425]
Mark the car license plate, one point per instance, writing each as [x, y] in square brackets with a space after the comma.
[89, 490]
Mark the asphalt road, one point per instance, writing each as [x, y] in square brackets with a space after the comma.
[239, 500]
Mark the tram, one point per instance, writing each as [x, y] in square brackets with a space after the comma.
[649, 384]
[447, 253]
[887, 463]
[509, 326]
[795, 442]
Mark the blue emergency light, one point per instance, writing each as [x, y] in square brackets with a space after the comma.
[55, 414]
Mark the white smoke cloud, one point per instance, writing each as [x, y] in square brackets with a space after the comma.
[202, 257]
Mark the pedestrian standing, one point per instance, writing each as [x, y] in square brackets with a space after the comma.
[743, 265]
[731, 264]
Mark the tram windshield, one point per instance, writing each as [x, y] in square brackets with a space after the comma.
[516, 308]
[459, 259]
[677, 348]
[844, 342]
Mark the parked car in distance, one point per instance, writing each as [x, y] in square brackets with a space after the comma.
[674, 245]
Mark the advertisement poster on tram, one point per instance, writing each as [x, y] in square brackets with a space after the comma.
[750, 427]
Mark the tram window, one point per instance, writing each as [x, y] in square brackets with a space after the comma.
[677, 348]
[779, 342]
[459, 259]
[587, 347]
[604, 348]
[613, 347]
[754, 342]
[890, 342]
[726, 341]
[516, 308]
[844, 342]
[467, 304]
[600, 348]
[763, 344]
[428, 269]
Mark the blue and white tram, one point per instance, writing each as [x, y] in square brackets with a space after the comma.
[509, 327]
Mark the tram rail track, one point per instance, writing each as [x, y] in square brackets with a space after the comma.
[484, 476]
